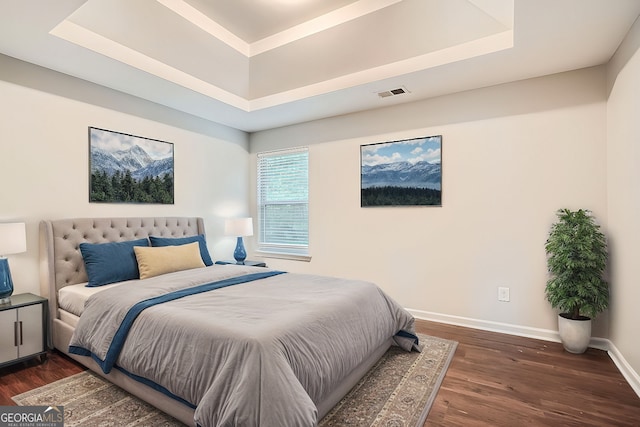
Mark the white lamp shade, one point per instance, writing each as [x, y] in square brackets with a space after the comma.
[13, 238]
[238, 227]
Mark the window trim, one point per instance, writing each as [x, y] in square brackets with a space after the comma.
[290, 256]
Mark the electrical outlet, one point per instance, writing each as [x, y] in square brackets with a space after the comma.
[503, 294]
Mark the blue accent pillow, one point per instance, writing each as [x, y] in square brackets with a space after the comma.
[176, 241]
[111, 262]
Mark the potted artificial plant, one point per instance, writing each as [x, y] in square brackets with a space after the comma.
[577, 257]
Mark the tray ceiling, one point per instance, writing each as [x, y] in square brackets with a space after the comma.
[259, 64]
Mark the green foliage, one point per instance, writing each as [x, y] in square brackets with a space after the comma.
[124, 188]
[398, 196]
[577, 258]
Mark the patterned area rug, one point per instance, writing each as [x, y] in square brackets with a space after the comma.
[397, 392]
[91, 401]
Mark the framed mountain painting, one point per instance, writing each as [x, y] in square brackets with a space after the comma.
[129, 169]
[402, 173]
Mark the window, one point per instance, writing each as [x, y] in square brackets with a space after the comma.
[283, 202]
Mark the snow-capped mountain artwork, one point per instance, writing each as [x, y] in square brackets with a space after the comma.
[129, 169]
[402, 173]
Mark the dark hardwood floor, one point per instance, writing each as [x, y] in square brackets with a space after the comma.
[25, 376]
[504, 380]
[494, 380]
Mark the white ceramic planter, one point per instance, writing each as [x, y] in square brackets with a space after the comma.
[574, 334]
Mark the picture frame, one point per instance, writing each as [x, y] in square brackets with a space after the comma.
[405, 172]
[125, 168]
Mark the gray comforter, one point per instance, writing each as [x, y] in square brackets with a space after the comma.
[259, 353]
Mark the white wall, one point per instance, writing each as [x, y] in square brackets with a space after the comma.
[623, 184]
[44, 162]
[512, 155]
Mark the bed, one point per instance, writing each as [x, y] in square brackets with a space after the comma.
[216, 345]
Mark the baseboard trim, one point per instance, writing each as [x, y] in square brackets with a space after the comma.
[487, 325]
[626, 370]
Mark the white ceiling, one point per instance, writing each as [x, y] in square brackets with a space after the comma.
[260, 64]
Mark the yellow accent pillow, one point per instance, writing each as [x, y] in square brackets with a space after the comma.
[154, 261]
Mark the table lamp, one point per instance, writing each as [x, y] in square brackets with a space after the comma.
[239, 227]
[13, 240]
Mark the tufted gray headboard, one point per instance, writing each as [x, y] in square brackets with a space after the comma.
[61, 262]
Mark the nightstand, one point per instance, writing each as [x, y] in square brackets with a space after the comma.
[246, 262]
[23, 322]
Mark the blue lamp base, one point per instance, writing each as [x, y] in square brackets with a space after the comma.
[6, 284]
[240, 254]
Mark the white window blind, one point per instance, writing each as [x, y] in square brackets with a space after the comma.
[283, 201]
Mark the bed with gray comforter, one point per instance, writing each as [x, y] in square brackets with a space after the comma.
[242, 346]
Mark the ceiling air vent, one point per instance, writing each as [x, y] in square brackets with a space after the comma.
[393, 92]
